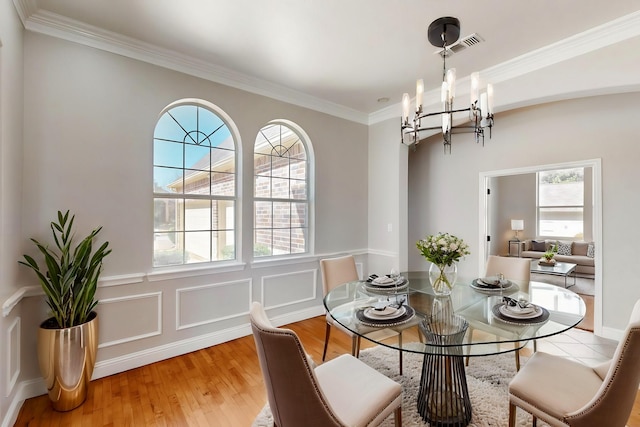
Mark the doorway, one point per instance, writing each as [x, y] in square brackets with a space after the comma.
[486, 218]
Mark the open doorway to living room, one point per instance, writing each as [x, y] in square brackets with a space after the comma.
[530, 211]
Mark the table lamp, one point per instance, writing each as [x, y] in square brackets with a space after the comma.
[517, 225]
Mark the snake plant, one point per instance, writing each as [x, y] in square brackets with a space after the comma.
[70, 278]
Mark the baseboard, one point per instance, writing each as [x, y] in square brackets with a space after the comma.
[36, 387]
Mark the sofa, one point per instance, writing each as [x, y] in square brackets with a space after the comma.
[579, 253]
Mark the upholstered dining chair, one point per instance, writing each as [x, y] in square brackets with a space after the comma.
[517, 270]
[341, 392]
[337, 271]
[562, 392]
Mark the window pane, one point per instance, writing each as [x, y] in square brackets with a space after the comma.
[563, 187]
[223, 160]
[281, 242]
[223, 184]
[197, 182]
[280, 167]
[167, 215]
[167, 180]
[197, 215]
[279, 188]
[167, 249]
[167, 153]
[223, 215]
[262, 215]
[223, 245]
[298, 169]
[298, 215]
[197, 245]
[197, 157]
[561, 222]
[281, 215]
[262, 186]
[298, 240]
[298, 189]
[262, 164]
[262, 243]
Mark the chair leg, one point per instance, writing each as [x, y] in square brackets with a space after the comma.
[470, 335]
[355, 345]
[397, 416]
[512, 415]
[534, 422]
[326, 341]
[400, 352]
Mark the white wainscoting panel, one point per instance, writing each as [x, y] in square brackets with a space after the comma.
[200, 305]
[129, 318]
[13, 355]
[280, 290]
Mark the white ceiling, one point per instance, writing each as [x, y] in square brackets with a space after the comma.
[341, 56]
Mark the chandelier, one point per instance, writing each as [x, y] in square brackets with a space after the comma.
[442, 33]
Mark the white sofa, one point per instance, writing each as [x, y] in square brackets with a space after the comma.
[579, 253]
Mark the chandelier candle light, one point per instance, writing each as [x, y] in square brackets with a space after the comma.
[442, 33]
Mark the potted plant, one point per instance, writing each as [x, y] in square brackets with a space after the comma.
[547, 257]
[68, 340]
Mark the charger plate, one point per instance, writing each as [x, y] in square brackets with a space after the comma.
[538, 320]
[383, 323]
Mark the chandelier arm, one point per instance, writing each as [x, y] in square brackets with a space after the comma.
[460, 110]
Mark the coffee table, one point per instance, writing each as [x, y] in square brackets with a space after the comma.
[559, 269]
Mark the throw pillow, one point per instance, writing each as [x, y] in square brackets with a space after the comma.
[579, 248]
[564, 248]
[539, 246]
[591, 250]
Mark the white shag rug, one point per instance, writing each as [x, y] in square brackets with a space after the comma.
[487, 377]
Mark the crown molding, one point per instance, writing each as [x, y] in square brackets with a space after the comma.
[25, 9]
[51, 24]
[604, 35]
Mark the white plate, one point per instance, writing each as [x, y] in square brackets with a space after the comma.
[385, 281]
[387, 313]
[494, 281]
[490, 289]
[505, 311]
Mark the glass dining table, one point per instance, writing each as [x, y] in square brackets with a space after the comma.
[473, 321]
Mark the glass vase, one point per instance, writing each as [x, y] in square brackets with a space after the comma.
[443, 277]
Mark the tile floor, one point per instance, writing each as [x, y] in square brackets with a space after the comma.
[579, 345]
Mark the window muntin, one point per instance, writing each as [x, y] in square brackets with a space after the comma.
[281, 192]
[561, 203]
[194, 179]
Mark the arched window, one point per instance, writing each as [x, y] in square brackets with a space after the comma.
[281, 191]
[194, 185]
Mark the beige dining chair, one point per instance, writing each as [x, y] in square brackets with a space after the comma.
[563, 392]
[341, 392]
[519, 271]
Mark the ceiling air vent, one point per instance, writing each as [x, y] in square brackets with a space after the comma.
[462, 44]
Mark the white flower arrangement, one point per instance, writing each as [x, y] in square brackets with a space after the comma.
[443, 248]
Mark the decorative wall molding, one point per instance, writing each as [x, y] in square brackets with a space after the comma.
[312, 289]
[157, 331]
[124, 279]
[213, 314]
[17, 296]
[13, 355]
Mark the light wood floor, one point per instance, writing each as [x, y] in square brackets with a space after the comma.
[216, 386]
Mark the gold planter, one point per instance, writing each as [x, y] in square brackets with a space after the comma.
[67, 357]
